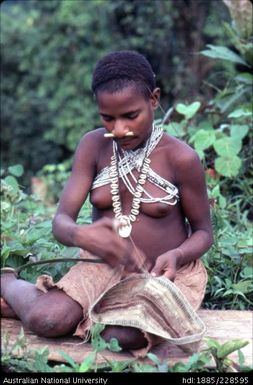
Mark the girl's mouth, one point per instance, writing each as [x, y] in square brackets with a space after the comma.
[126, 142]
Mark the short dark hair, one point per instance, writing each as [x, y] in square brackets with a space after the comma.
[120, 69]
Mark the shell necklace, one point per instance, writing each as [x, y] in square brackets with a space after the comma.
[124, 222]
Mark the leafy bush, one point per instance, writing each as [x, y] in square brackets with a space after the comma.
[49, 51]
[220, 133]
[27, 229]
[229, 261]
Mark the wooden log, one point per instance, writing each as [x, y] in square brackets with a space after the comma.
[222, 325]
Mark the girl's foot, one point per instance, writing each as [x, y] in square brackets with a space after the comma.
[6, 310]
[7, 276]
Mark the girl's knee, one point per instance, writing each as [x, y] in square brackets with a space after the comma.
[44, 323]
[53, 319]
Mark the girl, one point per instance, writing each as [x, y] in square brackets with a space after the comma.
[143, 185]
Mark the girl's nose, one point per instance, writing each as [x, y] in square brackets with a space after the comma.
[120, 129]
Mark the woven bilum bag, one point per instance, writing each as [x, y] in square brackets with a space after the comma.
[154, 305]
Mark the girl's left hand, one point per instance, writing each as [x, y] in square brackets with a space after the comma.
[166, 265]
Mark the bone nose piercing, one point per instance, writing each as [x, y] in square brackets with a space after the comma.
[111, 135]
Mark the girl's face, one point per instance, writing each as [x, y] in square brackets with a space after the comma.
[127, 110]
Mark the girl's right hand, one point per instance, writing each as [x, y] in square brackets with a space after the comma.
[100, 239]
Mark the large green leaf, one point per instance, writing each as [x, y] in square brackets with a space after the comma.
[68, 359]
[203, 139]
[33, 234]
[200, 153]
[5, 206]
[12, 182]
[240, 112]
[220, 52]
[228, 166]
[227, 147]
[239, 131]
[245, 77]
[188, 110]
[16, 170]
[114, 345]
[87, 363]
[243, 286]
[16, 248]
[174, 129]
[247, 272]
[230, 346]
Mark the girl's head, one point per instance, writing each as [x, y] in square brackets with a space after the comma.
[121, 69]
[126, 94]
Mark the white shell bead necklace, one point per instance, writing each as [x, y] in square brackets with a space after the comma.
[124, 226]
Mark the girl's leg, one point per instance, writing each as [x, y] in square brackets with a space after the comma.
[128, 337]
[6, 310]
[48, 314]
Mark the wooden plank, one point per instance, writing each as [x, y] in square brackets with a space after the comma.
[221, 325]
[225, 325]
[73, 346]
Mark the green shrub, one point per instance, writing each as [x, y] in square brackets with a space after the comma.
[50, 47]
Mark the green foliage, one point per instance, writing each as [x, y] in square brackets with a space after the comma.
[50, 47]
[26, 230]
[188, 111]
[221, 134]
[222, 152]
[54, 177]
[230, 272]
[242, 18]
[220, 353]
[195, 363]
[238, 89]
[219, 52]
[19, 358]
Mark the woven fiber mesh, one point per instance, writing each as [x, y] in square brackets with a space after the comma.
[155, 305]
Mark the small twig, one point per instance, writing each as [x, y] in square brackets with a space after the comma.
[55, 260]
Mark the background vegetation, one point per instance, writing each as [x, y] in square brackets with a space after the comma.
[49, 51]
[202, 54]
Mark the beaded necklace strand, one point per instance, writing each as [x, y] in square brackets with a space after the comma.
[125, 221]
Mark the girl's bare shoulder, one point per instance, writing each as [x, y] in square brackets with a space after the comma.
[91, 146]
[182, 158]
[92, 141]
[178, 151]
[94, 136]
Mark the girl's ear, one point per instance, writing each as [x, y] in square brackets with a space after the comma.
[155, 98]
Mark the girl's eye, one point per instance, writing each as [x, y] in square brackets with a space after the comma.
[107, 118]
[132, 116]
